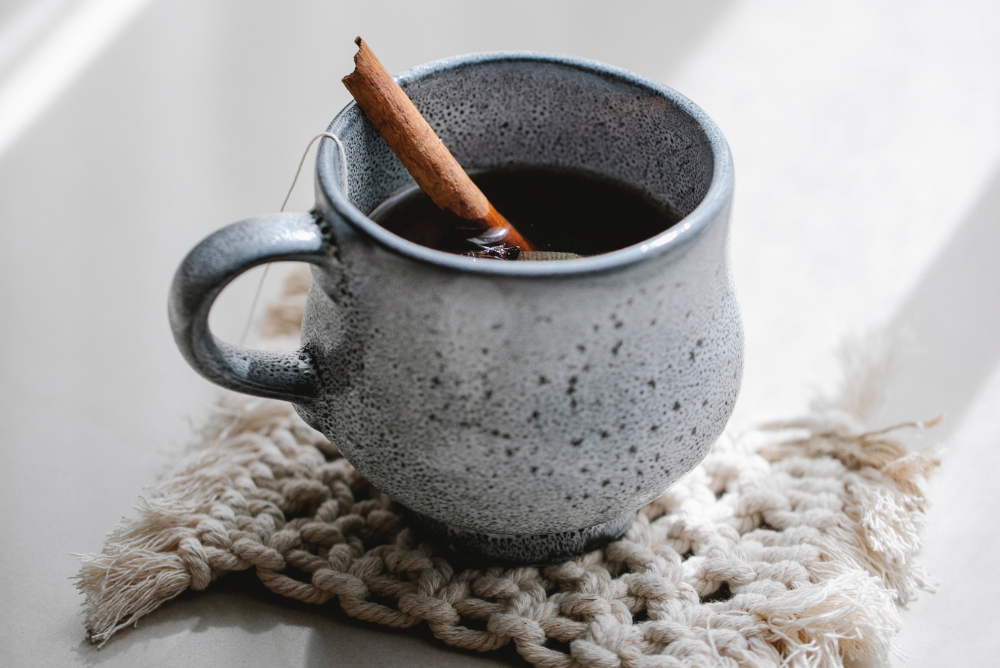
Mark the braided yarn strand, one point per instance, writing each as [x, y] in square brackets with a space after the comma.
[791, 545]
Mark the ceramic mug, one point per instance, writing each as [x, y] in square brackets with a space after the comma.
[522, 411]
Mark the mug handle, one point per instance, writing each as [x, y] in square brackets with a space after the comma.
[208, 268]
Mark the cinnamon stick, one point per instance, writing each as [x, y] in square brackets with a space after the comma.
[421, 151]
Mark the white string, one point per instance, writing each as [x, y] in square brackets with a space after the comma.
[267, 267]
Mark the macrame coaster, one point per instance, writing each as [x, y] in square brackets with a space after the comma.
[790, 545]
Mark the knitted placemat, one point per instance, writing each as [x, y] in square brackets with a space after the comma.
[790, 545]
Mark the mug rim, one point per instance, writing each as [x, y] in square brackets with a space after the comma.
[671, 240]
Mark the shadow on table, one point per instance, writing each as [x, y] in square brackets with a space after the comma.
[240, 601]
[952, 317]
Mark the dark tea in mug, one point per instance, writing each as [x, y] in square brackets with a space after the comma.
[560, 210]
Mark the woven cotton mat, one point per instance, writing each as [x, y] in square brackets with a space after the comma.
[792, 544]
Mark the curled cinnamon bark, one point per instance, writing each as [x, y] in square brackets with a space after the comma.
[421, 151]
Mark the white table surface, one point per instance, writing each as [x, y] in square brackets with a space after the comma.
[867, 145]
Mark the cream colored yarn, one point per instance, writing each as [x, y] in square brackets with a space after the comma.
[791, 545]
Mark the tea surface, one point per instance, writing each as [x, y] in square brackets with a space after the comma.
[560, 210]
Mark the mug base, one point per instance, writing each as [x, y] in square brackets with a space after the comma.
[513, 549]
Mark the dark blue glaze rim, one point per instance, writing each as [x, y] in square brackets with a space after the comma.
[671, 240]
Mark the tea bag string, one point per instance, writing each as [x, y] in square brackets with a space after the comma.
[267, 267]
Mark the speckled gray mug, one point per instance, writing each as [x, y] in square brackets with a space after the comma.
[522, 411]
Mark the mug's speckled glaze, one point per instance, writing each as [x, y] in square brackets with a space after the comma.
[522, 410]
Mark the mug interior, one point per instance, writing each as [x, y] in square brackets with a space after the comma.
[501, 110]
